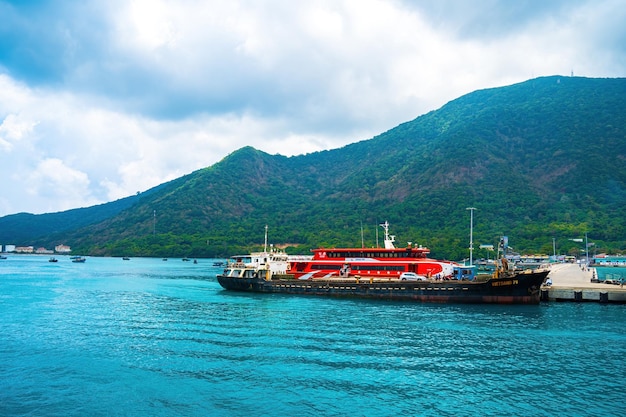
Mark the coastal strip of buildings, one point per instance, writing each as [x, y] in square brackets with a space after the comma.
[61, 249]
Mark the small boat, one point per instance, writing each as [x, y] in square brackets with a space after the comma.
[219, 264]
[2, 257]
[53, 259]
[164, 259]
[78, 259]
[126, 258]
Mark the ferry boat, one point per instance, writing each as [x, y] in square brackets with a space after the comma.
[265, 264]
[272, 272]
[505, 287]
[388, 262]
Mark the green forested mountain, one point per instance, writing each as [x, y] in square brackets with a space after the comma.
[24, 227]
[539, 160]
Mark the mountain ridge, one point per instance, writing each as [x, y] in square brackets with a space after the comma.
[540, 159]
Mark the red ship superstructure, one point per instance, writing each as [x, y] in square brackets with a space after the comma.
[386, 263]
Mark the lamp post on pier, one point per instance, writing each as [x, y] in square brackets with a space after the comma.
[471, 245]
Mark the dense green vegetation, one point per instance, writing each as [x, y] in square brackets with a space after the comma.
[540, 160]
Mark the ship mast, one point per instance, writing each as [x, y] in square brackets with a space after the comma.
[362, 241]
[265, 245]
[389, 239]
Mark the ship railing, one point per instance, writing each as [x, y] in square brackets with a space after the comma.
[299, 258]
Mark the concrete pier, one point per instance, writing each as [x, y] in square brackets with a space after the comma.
[571, 283]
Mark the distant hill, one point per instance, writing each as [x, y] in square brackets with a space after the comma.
[540, 160]
[26, 227]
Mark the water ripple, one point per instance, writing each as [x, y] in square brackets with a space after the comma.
[166, 339]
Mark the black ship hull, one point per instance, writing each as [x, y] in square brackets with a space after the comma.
[521, 288]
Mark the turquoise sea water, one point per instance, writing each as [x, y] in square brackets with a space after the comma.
[151, 338]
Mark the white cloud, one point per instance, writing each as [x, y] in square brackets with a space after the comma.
[13, 129]
[54, 180]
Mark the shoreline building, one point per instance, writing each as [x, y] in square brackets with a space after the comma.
[62, 249]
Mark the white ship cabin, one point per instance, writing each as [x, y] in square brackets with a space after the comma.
[248, 266]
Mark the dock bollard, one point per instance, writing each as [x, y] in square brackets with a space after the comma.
[545, 295]
[604, 297]
[578, 295]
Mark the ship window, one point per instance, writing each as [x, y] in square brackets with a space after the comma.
[322, 266]
[377, 268]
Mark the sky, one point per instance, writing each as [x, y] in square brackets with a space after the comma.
[102, 99]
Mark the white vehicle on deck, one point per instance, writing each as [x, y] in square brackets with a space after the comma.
[412, 276]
